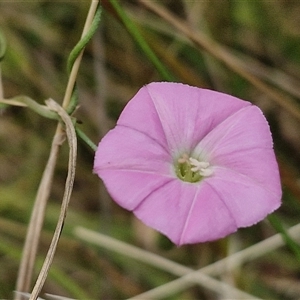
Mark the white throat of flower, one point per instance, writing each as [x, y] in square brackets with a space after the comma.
[190, 169]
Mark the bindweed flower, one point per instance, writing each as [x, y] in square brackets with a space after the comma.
[192, 163]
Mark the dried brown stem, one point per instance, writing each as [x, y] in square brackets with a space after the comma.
[38, 213]
[72, 141]
[223, 55]
[37, 218]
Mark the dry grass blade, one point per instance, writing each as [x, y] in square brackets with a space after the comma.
[38, 213]
[209, 283]
[223, 55]
[189, 276]
[72, 141]
[226, 264]
[159, 262]
[37, 218]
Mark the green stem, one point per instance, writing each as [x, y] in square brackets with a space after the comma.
[77, 50]
[38, 108]
[85, 39]
[86, 139]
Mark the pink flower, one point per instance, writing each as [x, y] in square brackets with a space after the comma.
[192, 163]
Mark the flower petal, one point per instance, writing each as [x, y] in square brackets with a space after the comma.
[187, 113]
[166, 209]
[131, 165]
[208, 218]
[247, 201]
[140, 114]
[259, 165]
[130, 188]
[186, 213]
[245, 129]
[126, 148]
[243, 143]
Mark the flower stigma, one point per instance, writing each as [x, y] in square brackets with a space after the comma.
[190, 169]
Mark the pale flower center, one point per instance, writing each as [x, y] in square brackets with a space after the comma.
[191, 169]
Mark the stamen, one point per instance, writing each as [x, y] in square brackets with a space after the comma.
[192, 170]
[198, 165]
[202, 167]
[206, 172]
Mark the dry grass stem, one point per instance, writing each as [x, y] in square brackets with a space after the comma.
[209, 283]
[189, 276]
[36, 222]
[223, 265]
[223, 55]
[277, 77]
[72, 141]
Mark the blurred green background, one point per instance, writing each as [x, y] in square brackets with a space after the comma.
[263, 37]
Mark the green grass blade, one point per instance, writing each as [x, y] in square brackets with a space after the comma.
[291, 244]
[133, 30]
